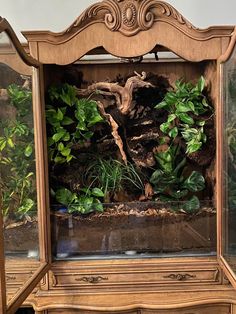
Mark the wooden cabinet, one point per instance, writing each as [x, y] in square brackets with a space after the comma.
[103, 86]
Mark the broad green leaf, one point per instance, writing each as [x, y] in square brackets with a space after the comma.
[59, 160]
[97, 192]
[60, 146]
[195, 182]
[57, 136]
[184, 117]
[67, 121]
[164, 127]
[171, 117]
[59, 114]
[173, 132]
[192, 205]
[66, 151]
[192, 148]
[65, 196]
[156, 176]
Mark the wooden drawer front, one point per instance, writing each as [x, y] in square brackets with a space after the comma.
[205, 309]
[65, 278]
[88, 312]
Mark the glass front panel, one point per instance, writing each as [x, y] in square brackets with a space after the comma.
[229, 174]
[131, 159]
[17, 168]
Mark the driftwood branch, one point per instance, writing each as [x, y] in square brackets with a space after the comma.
[122, 94]
[114, 127]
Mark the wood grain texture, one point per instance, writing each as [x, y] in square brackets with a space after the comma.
[109, 22]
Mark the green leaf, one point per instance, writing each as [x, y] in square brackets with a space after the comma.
[184, 117]
[59, 160]
[161, 105]
[65, 196]
[192, 205]
[173, 132]
[156, 176]
[171, 117]
[195, 182]
[28, 150]
[57, 136]
[66, 151]
[59, 114]
[10, 142]
[67, 121]
[185, 107]
[97, 192]
[201, 84]
[27, 205]
[193, 147]
[179, 194]
[164, 127]
[60, 146]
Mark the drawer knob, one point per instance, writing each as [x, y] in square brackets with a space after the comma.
[180, 277]
[92, 279]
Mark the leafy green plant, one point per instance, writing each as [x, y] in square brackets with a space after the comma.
[184, 105]
[170, 182]
[70, 121]
[85, 202]
[17, 179]
[113, 176]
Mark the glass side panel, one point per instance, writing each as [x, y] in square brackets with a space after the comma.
[17, 169]
[137, 229]
[229, 206]
[131, 175]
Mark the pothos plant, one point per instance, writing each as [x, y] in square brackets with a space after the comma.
[70, 122]
[171, 182]
[17, 156]
[186, 108]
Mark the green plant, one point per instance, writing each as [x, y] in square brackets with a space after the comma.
[184, 105]
[17, 180]
[85, 202]
[113, 176]
[170, 183]
[70, 121]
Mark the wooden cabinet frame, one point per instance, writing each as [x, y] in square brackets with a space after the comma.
[20, 61]
[117, 27]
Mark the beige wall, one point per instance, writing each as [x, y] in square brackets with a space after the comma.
[56, 15]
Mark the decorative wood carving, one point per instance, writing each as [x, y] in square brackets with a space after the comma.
[8, 277]
[180, 277]
[91, 279]
[129, 17]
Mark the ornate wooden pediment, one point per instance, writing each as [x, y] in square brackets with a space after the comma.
[129, 17]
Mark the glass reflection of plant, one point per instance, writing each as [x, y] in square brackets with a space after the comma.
[17, 180]
[231, 141]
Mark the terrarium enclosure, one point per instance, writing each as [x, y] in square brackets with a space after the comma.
[131, 146]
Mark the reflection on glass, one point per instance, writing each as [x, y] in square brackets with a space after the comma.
[17, 159]
[229, 209]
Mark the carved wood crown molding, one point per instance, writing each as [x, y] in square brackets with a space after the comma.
[129, 16]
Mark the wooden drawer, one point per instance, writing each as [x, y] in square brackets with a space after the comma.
[17, 273]
[74, 278]
[88, 312]
[204, 309]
